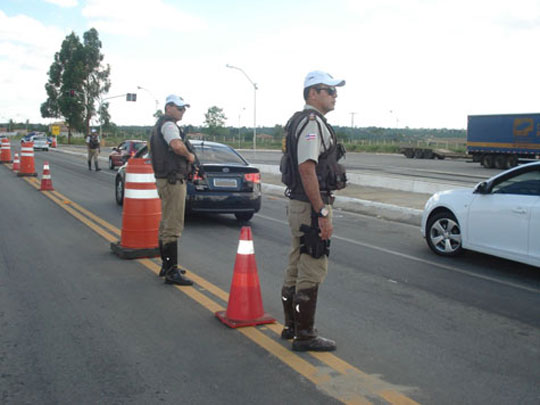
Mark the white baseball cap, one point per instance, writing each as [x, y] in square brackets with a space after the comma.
[176, 100]
[320, 77]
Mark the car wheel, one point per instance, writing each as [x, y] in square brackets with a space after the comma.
[244, 216]
[443, 234]
[111, 164]
[119, 190]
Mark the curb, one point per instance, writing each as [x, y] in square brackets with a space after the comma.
[389, 212]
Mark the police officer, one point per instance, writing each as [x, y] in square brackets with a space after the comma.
[93, 142]
[312, 152]
[171, 161]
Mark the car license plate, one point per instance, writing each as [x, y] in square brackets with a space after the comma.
[225, 183]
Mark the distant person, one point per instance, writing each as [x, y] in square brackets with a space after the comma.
[94, 147]
[311, 172]
[171, 161]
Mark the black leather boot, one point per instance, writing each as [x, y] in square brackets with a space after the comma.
[97, 167]
[306, 338]
[287, 296]
[89, 165]
[172, 274]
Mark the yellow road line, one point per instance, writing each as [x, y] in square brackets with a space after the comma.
[351, 388]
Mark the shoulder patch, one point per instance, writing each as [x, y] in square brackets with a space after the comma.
[312, 117]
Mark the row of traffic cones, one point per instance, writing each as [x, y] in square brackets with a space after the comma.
[141, 216]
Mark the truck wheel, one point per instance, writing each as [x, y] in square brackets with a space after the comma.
[501, 162]
[487, 161]
[418, 154]
[512, 160]
[428, 154]
[409, 153]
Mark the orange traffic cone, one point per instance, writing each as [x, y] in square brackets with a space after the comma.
[27, 160]
[46, 182]
[53, 143]
[16, 164]
[245, 306]
[141, 214]
[5, 151]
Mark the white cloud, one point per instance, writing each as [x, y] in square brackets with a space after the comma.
[63, 3]
[27, 48]
[138, 18]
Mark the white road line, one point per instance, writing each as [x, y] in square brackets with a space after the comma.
[420, 260]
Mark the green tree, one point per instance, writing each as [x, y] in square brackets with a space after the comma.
[77, 80]
[214, 119]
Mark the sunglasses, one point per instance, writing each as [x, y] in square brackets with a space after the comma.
[332, 91]
[180, 108]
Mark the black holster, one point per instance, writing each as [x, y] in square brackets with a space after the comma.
[311, 243]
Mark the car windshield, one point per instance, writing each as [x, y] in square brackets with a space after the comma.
[138, 146]
[39, 138]
[217, 154]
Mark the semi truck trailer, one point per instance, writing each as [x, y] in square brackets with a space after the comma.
[503, 140]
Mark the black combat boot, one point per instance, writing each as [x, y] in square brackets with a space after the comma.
[305, 338]
[287, 296]
[96, 164]
[172, 274]
[89, 165]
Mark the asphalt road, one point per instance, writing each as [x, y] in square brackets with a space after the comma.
[460, 171]
[79, 325]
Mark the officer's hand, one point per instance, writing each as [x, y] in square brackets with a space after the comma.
[191, 157]
[326, 228]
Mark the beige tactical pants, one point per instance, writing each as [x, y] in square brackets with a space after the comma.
[93, 154]
[303, 271]
[173, 202]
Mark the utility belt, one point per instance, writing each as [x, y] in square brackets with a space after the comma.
[327, 197]
[311, 243]
[174, 177]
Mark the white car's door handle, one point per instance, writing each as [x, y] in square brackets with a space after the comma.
[519, 210]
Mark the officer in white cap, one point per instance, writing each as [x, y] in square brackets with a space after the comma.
[171, 161]
[311, 172]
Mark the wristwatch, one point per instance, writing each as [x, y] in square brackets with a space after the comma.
[323, 213]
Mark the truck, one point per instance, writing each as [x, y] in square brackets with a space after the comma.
[503, 140]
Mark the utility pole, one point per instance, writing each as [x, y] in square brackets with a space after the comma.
[352, 119]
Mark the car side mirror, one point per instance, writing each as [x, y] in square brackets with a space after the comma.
[482, 188]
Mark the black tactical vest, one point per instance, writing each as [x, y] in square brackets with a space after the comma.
[165, 162]
[93, 142]
[330, 174]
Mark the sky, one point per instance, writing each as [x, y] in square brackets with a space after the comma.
[407, 63]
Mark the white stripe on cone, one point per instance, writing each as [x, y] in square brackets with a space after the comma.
[245, 247]
[140, 178]
[140, 194]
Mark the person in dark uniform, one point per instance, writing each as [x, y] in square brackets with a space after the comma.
[312, 153]
[94, 147]
[171, 161]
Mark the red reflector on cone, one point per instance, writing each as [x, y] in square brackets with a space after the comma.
[141, 213]
[245, 307]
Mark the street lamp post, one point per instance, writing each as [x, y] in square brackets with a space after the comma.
[254, 104]
[149, 92]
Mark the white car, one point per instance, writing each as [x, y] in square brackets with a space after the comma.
[500, 217]
[41, 142]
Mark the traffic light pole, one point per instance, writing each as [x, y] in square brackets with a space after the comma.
[128, 96]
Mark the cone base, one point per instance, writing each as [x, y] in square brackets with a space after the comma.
[19, 174]
[46, 188]
[128, 253]
[232, 323]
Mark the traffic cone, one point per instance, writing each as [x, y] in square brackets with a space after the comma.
[16, 163]
[245, 307]
[141, 213]
[46, 182]
[5, 151]
[53, 143]
[27, 160]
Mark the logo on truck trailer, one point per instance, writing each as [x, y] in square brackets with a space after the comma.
[523, 127]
